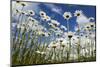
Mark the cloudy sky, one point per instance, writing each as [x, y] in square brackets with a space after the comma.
[56, 11]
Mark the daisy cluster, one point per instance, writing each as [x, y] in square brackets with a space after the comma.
[39, 36]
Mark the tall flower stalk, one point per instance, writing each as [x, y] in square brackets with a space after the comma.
[67, 16]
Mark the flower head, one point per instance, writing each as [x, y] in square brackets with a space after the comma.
[67, 15]
[53, 44]
[18, 11]
[46, 18]
[70, 34]
[23, 12]
[17, 1]
[87, 27]
[24, 4]
[31, 12]
[42, 14]
[78, 13]
[55, 23]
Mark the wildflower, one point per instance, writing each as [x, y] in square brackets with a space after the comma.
[46, 18]
[18, 11]
[32, 20]
[23, 12]
[23, 4]
[58, 34]
[42, 14]
[70, 34]
[31, 12]
[78, 13]
[61, 40]
[63, 44]
[52, 25]
[55, 23]
[18, 3]
[67, 15]
[92, 25]
[87, 27]
[53, 45]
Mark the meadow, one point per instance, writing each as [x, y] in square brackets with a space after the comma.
[40, 39]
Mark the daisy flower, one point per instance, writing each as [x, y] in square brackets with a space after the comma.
[78, 13]
[31, 12]
[24, 4]
[42, 14]
[67, 15]
[18, 3]
[92, 25]
[18, 11]
[23, 12]
[46, 18]
[53, 45]
[87, 27]
[70, 34]
[54, 22]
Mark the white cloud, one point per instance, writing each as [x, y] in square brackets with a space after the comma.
[54, 8]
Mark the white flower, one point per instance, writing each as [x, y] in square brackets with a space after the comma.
[87, 27]
[18, 3]
[31, 12]
[53, 26]
[46, 18]
[32, 20]
[53, 45]
[67, 15]
[70, 34]
[63, 27]
[30, 24]
[42, 14]
[75, 39]
[92, 25]
[60, 39]
[50, 24]
[54, 22]
[17, 11]
[78, 13]
[23, 12]
[24, 3]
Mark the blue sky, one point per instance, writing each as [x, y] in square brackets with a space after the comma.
[55, 11]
